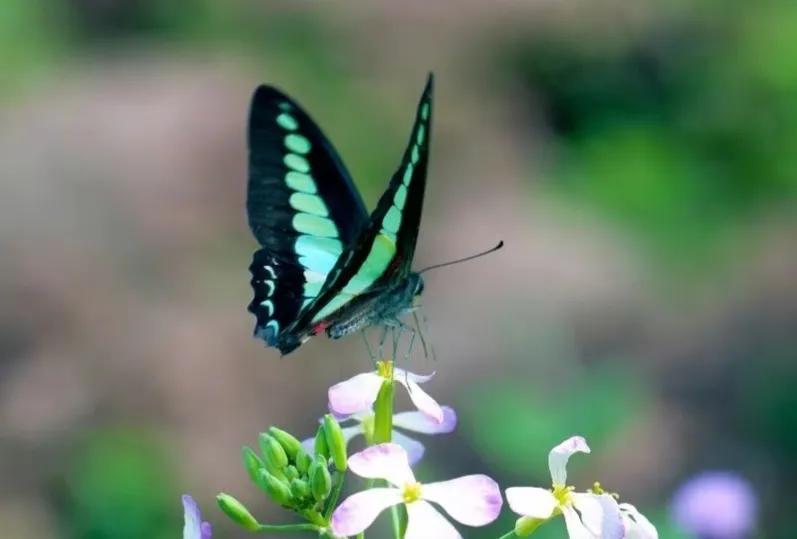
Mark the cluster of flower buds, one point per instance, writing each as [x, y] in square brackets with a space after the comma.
[293, 477]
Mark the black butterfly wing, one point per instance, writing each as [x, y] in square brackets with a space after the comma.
[384, 251]
[302, 207]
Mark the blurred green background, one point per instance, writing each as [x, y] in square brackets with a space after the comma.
[638, 158]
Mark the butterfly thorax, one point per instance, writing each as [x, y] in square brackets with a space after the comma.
[384, 308]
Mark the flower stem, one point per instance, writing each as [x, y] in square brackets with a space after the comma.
[286, 527]
[508, 535]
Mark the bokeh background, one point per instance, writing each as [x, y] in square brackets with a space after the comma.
[638, 158]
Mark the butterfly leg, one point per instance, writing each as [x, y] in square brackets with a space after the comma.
[368, 347]
[382, 338]
[420, 333]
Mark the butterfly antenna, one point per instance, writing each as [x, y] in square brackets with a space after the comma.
[471, 257]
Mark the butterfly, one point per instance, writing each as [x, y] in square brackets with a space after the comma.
[325, 264]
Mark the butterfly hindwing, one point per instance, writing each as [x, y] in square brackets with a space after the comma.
[302, 207]
[383, 253]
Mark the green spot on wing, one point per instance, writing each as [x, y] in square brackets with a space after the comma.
[308, 203]
[300, 182]
[415, 155]
[296, 162]
[286, 121]
[401, 196]
[314, 225]
[377, 261]
[407, 174]
[334, 304]
[392, 220]
[297, 143]
[421, 134]
[425, 111]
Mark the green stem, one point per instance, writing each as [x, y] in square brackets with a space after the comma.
[286, 527]
[333, 499]
[383, 413]
[508, 535]
[396, 519]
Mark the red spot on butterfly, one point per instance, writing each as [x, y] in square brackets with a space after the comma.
[319, 327]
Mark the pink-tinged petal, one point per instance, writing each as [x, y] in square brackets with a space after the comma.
[637, 526]
[591, 510]
[559, 455]
[356, 394]
[531, 501]
[193, 528]
[575, 528]
[421, 422]
[424, 522]
[414, 448]
[359, 511]
[613, 526]
[407, 376]
[422, 400]
[474, 500]
[383, 461]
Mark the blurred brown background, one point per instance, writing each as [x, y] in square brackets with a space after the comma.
[636, 156]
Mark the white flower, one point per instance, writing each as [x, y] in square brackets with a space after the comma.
[473, 500]
[587, 515]
[413, 421]
[357, 394]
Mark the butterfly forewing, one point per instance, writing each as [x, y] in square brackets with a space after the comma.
[383, 252]
[302, 208]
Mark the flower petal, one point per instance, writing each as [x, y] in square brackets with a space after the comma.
[401, 374]
[575, 528]
[421, 422]
[383, 461]
[359, 511]
[421, 399]
[192, 529]
[414, 448]
[423, 522]
[559, 455]
[591, 510]
[532, 502]
[637, 526]
[354, 395]
[613, 527]
[474, 500]
[207, 530]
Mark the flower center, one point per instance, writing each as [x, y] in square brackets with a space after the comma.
[412, 492]
[563, 495]
[385, 369]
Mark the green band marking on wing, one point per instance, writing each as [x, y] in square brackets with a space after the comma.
[296, 162]
[407, 174]
[421, 134]
[297, 143]
[415, 155]
[286, 121]
[392, 220]
[300, 182]
[314, 225]
[308, 204]
[401, 197]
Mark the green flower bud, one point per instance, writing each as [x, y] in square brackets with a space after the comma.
[303, 461]
[300, 489]
[335, 442]
[527, 525]
[237, 512]
[288, 442]
[273, 452]
[276, 488]
[252, 462]
[321, 448]
[320, 480]
[291, 472]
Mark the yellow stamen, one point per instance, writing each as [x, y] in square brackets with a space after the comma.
[412, 492]
[385, 369]
[563, 494]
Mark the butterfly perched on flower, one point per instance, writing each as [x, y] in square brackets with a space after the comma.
[325, 264]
